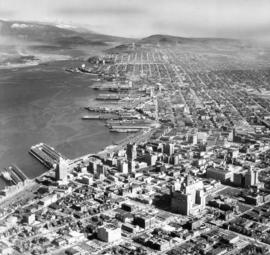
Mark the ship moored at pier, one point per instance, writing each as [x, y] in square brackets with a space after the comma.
[15, 179]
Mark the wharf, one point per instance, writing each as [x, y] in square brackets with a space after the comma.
[14, 175]
[108, 97]
[47, 155]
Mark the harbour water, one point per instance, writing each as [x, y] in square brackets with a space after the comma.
[45, 104]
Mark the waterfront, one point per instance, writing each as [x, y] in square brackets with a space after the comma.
[45, 104]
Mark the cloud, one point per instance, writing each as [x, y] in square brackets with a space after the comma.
[21, 25]
[138, 18]
[65, 26]
[100, 10]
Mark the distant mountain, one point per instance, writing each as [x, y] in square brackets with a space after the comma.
[22, 41]
[53, 34]
[163, 39]
[159, 40]
[169, 39]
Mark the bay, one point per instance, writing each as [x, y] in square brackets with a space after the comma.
[44, 103]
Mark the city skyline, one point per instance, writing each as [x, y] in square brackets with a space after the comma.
[134, 127]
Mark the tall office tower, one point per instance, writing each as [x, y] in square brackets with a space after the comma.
[131, 151]
[251, 178]
[189, 199]
[123, 167]
[231, 137]
[195, 139]
[61, 170]
[150, 159]
[100, 170]
[168, 148]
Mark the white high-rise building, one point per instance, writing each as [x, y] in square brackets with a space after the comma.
[61, 170]
[188, 197]
[109, 233]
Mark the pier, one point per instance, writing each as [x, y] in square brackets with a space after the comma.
[14, 175]
[47, 155]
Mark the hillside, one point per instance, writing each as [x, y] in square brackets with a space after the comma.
[46, 33]
[170, 40]
[20, 41]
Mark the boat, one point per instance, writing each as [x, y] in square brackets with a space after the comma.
[124, 130]
[6, 175]
[93, 117]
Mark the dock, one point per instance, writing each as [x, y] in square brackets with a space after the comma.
[47, 155]
[14, 175]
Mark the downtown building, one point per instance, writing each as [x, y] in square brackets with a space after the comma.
[188, 197]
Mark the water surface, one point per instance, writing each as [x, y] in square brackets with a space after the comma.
[45, 104]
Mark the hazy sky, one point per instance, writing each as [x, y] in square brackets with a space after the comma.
[138, 18]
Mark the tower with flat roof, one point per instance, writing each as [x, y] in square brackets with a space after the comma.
[131, 151]
[61, 170]
[188, 197]
[251, 178]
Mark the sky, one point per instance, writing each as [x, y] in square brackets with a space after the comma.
[139, 18]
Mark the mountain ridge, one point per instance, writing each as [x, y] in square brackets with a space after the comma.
[172, 39]
[48, 33]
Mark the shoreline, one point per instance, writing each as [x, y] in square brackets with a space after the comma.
[54, 122]
[41, 59]
[76, 161]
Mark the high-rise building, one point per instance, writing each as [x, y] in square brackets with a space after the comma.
[131, 151]
[61, 170]
[29, 218]
[231, 137]
[251, 178]
[150, 159]
[131, 166]
[168, 148]
[144, 221]
[92, 167]
[122, 166]
[101, 171]
[195, 139]
[188, 197]
[109, 233]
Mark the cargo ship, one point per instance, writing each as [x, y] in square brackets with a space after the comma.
[108, 97]
[6, 176]
[100, 117]
[93, 117]
[112, 88]
[72, 70]
[117, 130]
[103, 110]
[129, 127]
